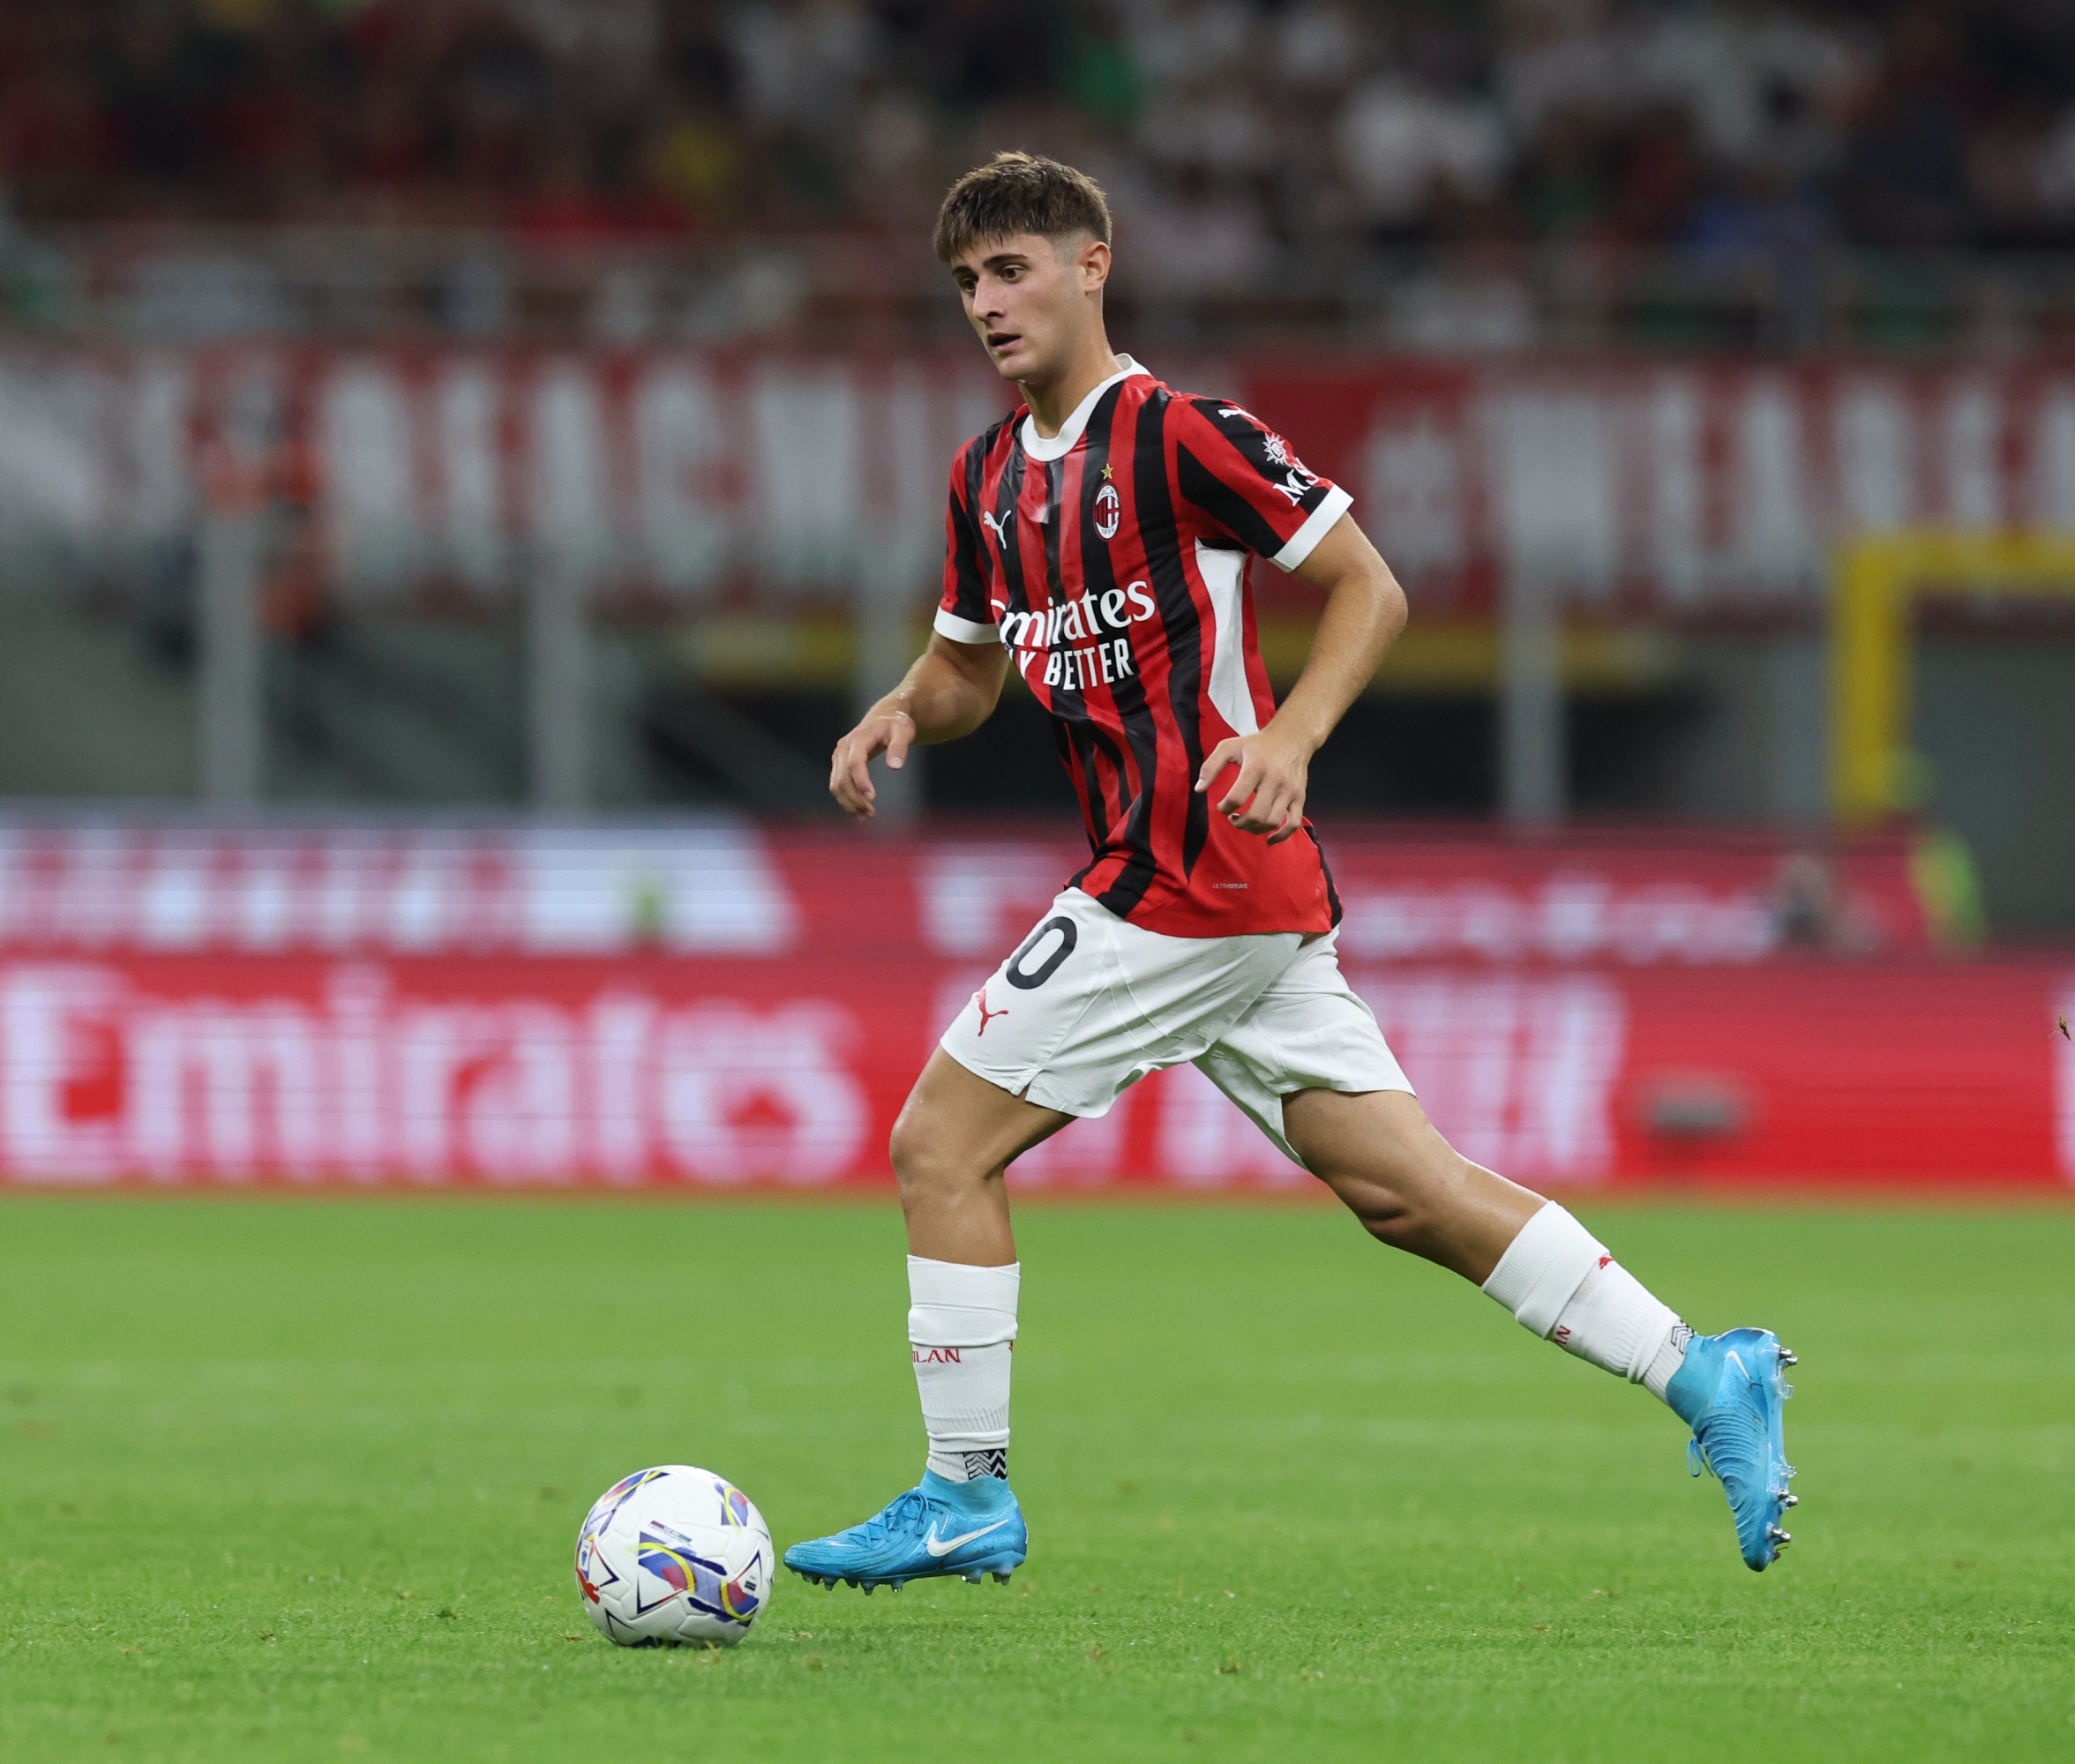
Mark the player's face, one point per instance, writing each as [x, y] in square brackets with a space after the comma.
[1031, 301]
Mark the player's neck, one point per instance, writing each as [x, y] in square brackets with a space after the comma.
[1054, 399]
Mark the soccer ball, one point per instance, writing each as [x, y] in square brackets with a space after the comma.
[673, 1556]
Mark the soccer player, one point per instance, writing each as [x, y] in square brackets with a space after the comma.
[1098, 543]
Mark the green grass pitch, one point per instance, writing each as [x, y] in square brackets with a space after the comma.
[286, 1479]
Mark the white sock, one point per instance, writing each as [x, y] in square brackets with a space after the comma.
[962, 1326]
[1558, 1279]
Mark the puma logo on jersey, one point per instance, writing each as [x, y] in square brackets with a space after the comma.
[997, 525]
[987, 1016]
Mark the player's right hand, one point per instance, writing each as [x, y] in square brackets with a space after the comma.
[850, 773]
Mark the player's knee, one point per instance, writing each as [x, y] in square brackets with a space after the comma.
[923, 1162]
[906, 1150]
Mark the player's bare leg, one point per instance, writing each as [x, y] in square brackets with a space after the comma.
[1378, 1152]
[952, 1146]
[1410, 1188]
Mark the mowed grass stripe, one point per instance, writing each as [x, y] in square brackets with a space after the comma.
[286, 1479]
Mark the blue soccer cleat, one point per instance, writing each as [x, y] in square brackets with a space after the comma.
[1730, 1393]
[941, 1527]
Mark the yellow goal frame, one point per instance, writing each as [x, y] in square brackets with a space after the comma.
[1879, 578]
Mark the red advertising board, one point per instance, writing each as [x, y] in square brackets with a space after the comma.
[718, 1002]
[788, 1071]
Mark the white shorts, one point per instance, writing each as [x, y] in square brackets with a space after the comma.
[1090, 1003]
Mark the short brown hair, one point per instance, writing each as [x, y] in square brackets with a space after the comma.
[1017, 193]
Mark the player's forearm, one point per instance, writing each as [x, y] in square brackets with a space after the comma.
[945, 693]
[1365, 611]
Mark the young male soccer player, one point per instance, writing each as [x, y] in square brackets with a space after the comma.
[1098, 543]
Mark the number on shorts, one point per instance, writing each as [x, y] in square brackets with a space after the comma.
[1069, 935]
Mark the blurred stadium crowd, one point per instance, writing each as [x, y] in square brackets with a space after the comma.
[1241, 126]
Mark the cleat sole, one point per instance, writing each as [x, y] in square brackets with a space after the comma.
[1000, 1568]
[1776, 1535]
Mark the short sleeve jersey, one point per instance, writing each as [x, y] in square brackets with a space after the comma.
[1111, 561]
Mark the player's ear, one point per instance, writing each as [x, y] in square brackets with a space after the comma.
[1092, 261]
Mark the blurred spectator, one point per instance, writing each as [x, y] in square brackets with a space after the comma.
[1097, 72]
[1657, 177]
[1177, 42]
[1805, 901]
[1813, 909]
[1766, 90]
[1318, 47]
[801, 61]
[2051, 174]
[1906, 174]
[1405, 146]
[1563, 189]
[1198, 241]
[501, 102]
[58, 142]
[1562, 55]
[893, 169]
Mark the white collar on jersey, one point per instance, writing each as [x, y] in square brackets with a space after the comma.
[1062, 444]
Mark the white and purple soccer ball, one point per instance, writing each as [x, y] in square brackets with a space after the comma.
[673, 1556]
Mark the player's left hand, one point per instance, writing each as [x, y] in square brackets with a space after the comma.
[1268, 796]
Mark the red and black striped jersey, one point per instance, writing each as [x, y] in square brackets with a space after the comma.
[1111, 562]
